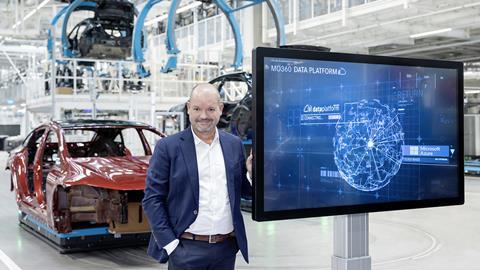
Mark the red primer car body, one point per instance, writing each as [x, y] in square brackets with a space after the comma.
[84, 174]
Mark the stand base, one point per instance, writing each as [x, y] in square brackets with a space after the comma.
[359, 263]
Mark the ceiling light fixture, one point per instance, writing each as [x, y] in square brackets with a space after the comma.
[431, 33]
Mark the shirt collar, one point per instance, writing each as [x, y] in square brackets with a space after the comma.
[197, 140]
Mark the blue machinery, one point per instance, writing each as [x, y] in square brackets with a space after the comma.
[171, 46]
[67, 11]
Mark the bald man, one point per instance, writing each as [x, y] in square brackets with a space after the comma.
[192, 196]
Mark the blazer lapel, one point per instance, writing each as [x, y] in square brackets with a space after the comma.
[227, 150]
[190, 157]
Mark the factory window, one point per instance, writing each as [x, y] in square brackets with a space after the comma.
[352, 3]
[286, 10]
[218, 29]
[305, 10]
[210, 28]
[335, 5]
[320, 7]
[227, 31]
[201, 34]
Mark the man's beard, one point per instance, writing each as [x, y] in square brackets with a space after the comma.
[208, 127]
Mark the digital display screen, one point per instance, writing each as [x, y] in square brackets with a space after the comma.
[340, 133]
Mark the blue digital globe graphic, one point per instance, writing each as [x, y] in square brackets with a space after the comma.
[368, 144]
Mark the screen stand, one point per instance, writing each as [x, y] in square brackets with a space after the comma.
[350, 243]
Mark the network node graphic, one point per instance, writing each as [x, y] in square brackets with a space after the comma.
[368, 144]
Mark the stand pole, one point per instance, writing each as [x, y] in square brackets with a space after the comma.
[350, 243]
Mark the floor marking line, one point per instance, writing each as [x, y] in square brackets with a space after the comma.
[11, 265]
[434, 246]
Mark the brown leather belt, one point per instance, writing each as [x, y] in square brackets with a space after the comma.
[208, 238]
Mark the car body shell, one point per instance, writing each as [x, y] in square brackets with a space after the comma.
[236, 117]
[45, 197]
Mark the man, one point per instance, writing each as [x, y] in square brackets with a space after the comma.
[192, 196]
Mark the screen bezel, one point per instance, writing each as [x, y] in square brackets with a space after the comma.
[258, 210]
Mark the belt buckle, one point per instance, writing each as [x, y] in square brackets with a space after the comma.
[210, 241]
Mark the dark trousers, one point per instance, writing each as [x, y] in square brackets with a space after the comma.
[201, 255]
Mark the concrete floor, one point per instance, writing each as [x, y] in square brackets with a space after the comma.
[443, 238]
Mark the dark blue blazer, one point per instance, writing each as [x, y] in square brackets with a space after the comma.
[172, 188]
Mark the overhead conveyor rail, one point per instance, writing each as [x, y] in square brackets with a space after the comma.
[170, 42]
[90, 6]
[77, 5]
[137, 46]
